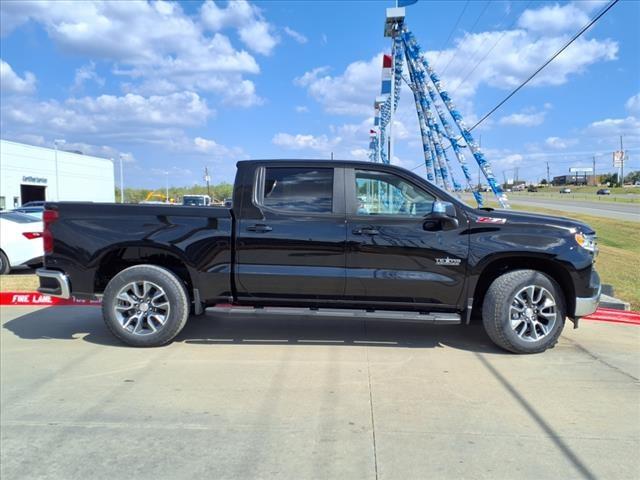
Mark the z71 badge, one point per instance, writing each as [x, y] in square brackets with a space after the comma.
[451, 262]
[491, 220]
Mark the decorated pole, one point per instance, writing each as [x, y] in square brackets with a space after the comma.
[456, 147]
[412, 45]
[429, 159]
[432, 130]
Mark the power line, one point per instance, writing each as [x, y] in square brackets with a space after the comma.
[486, 5]
[490, 50]
[553, 57]
[446, 43]
[534, 74]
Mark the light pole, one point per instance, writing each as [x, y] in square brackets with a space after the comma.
[167, 187]
[56, 144]
[121, 180]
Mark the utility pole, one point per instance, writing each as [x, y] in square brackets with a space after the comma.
[57, 143]
[206, 179]
[593, 172]
[622, 164]
[548, 179]
[121, 181]
[167, 188]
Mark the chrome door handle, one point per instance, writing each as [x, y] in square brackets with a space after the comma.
[259, 228]
[365, 231]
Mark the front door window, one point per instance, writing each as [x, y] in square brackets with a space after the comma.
[382, 193]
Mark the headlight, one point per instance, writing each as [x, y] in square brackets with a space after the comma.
[588, 242]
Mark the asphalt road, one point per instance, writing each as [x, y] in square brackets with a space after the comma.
[620, 211]
[302, 398]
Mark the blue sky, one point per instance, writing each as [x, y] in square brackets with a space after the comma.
[179, 86]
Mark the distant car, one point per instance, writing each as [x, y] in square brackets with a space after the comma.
[532, 189]
[31, 210]
[21, 242]
[565, 190]
[603, 191]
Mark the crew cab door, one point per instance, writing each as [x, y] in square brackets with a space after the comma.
[394, 254]
[290, 240]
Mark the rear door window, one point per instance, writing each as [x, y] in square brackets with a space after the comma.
[298, 189]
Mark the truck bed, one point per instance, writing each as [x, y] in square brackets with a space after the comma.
[197, 239]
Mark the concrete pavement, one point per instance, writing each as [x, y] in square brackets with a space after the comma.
[306, 398]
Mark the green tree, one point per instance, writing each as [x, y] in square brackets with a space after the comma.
[632, 177]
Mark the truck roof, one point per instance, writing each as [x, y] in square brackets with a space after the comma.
[317, 162]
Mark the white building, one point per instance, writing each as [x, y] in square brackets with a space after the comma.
[29, 173]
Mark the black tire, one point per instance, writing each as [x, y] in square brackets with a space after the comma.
[496, 311]
[174, 292]
[5, 266]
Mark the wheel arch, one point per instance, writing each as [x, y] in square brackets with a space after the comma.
[497, 266]
[118, 258]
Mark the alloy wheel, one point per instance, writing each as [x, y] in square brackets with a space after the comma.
[533, 313]
[142, 307]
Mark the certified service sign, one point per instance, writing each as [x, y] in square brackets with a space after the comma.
[30, 179]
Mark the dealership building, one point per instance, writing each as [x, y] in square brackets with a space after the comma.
[29, 173]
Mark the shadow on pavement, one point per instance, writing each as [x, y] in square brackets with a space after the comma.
[73, 323]
[561, 445]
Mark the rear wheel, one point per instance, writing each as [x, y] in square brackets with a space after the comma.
[524, 311]
[5, 266]
[145, 306]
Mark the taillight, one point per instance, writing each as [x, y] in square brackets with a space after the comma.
[32, 235]
[48, 217]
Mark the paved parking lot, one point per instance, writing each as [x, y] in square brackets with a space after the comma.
[313, 398]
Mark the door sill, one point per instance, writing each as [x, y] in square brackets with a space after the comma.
[440, 318]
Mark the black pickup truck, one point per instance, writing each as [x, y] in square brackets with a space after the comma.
[363, 239]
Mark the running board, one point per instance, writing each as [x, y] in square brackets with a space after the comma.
[404, 316]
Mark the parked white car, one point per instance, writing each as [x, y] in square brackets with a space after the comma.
[20, 241]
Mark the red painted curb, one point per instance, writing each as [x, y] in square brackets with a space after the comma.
[38, 299]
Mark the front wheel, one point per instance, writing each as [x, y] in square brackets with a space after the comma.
[524, 311]
[145, 306]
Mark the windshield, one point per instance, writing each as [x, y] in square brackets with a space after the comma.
[194, 201]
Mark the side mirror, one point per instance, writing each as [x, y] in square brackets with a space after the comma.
[442, 217]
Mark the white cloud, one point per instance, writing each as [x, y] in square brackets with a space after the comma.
[150, 41]
[301, 109]
[350, 93]
[560, 143]
[517, 54]
[523, 119]
[11, 82]
[609, 130]
[297, 36]
[254, 31]
[213, 149]
[108, 118]
[553, 18]
[86, 73]
[319, 143]
[511, 160]
[633, 104]
[257, 37]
